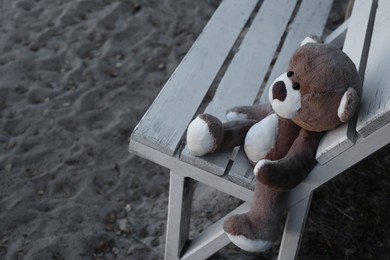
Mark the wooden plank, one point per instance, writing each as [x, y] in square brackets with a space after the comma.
[246, 72]
[337, 37]
[356, 46]
[310, 20]
[358, 37]
[213, 163]
[242, 171]
[375, 109]
[293, 230]
[164, 124]
[249, 67]
[187, 170]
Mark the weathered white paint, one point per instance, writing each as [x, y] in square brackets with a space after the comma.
[375, 108]
[241, 171]
[179, 214]
[250, 64]
[221, 183]
[293, 229]
[337, 37]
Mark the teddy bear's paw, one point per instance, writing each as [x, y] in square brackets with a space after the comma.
[310, 39]
[250, 245]
[234, 115]
[260, 166]
[204, 134]
[242, 232]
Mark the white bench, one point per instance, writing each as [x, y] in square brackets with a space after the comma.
[257, 33]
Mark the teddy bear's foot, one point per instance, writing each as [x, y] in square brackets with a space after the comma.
[233, 115]
[243, 233]
[250, 245]
[204, 135]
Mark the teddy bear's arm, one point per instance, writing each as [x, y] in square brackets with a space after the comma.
[286, 173]
[255, 112]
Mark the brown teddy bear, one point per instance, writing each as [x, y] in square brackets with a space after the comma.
[320, 90]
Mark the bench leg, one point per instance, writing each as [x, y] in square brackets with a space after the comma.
[293, 229]
[179, 214]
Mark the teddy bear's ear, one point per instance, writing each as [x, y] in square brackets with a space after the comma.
[310, 39]
[348, 105]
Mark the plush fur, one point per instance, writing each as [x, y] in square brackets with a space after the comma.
[320, 89]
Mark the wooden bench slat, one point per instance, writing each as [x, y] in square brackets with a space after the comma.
[310, 19]
[164, 124]
[375, 109]
[241, 171]
[356, 46]
[247, 71]
[337, 37]
[249, 67]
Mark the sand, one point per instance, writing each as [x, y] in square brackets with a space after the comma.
[75, 78]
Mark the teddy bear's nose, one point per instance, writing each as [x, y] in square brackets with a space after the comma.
[279, 91]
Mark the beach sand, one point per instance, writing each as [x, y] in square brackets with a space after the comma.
[75, 78]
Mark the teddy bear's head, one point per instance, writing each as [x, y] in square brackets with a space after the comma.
[320, 89]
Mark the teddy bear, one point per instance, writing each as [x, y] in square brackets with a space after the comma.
[320, 90]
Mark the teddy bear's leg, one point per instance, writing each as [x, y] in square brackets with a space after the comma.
[256, 230]
[207, 134]
[255, 112]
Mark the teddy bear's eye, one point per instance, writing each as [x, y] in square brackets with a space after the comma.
[290, 73]
[296, 86]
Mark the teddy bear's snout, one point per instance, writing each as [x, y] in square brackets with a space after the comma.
[279, 91]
